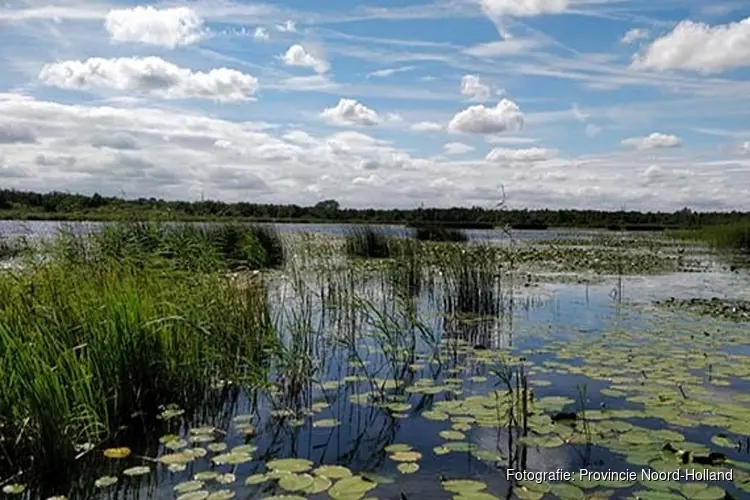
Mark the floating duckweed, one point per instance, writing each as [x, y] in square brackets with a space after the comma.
[290, 465]
[117, 453]
[333, 471]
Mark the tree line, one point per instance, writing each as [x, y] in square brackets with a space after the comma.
[60, 205]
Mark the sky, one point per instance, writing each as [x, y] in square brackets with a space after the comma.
[603, 104]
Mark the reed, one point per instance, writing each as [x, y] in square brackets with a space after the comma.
[366, 242]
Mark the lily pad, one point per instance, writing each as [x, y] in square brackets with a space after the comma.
[137, 471]
[105, 481]
[117, 453]
[294, 465]
[296, 482]
[333, 471]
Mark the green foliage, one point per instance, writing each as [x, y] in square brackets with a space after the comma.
[179, 246]
[66, 206]
[440, 233]
[367, 243]
[83, 346]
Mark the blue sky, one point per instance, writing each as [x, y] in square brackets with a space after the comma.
[564, 103]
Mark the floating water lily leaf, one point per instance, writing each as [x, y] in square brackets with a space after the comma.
[296, 482]
[168, 437]
[226, 478]
[201, 438]
[319, 485]
[441, 450]
[221, 495]
[408, 468]
[460, 446]
[326, 423]
[175, 468]
[197, 431]
[463, 486]
[232, 458]
[217, 447]
[285, 497]
[567, 491]
[194, 495]
[245, 448]
[435, 415]
[256, 479]
[477, 495]
[657, 495]
[350, 487]
[290, 465]
[702, 491]
[117, 453]
[176, 444]
[176, 458]
[406, 456]
[488, 455]
[207, 475]
[526, 494]
[332, 471]
[14, 489]
[724, 441]
[137, 471]
[188, 486]
[452, 435]
[393, 448]
[105, 481]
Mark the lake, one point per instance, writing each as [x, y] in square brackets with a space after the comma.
[438, 392]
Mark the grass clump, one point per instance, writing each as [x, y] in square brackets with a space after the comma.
[11, 248]
[368, 243]
[440, 233]
[181, 246]
[86, 348]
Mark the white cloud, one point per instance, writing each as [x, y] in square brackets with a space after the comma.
[634, 35]
[171, 27]
[524, 8]
[472, 87]
[297, 55]
[287, 27]
[261, 34]
[351, 112]
[745, 147]
[426, 127]
[505, 47]
[506, 116]
[520, 155]
[382, 73]
[656, 140]
[150, 75]
[699, 47]
[457, 148]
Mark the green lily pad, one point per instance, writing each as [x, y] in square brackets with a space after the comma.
[350, 487]
[137, 471]
[333, 471]
[463, 486]
[296, 482]
[188, 486]
[221, 495]
[105, 481]
[194, 495]
[408, 467]
[14, 489]
[294, 465]
[326, 423]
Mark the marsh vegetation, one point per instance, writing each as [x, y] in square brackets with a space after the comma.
[230, 360]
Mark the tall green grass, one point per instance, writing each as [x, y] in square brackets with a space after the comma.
[734, 237]
[180, 246]
[367, 243]
[85, 346]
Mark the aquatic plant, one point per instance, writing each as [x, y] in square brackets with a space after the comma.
[440, 233]
[367, 242]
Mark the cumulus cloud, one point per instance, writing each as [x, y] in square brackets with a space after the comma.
[150, 75]
[634, 35]
[170, 27]
[699, 47]
[351, 112]
[297, 55]
[520, 155]
[524, 8]
[261, 34]
[426, 127]
[506, 116]
[118, 140]
[472, 87]
[11, 133]
[457, 148]
[656, 140]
